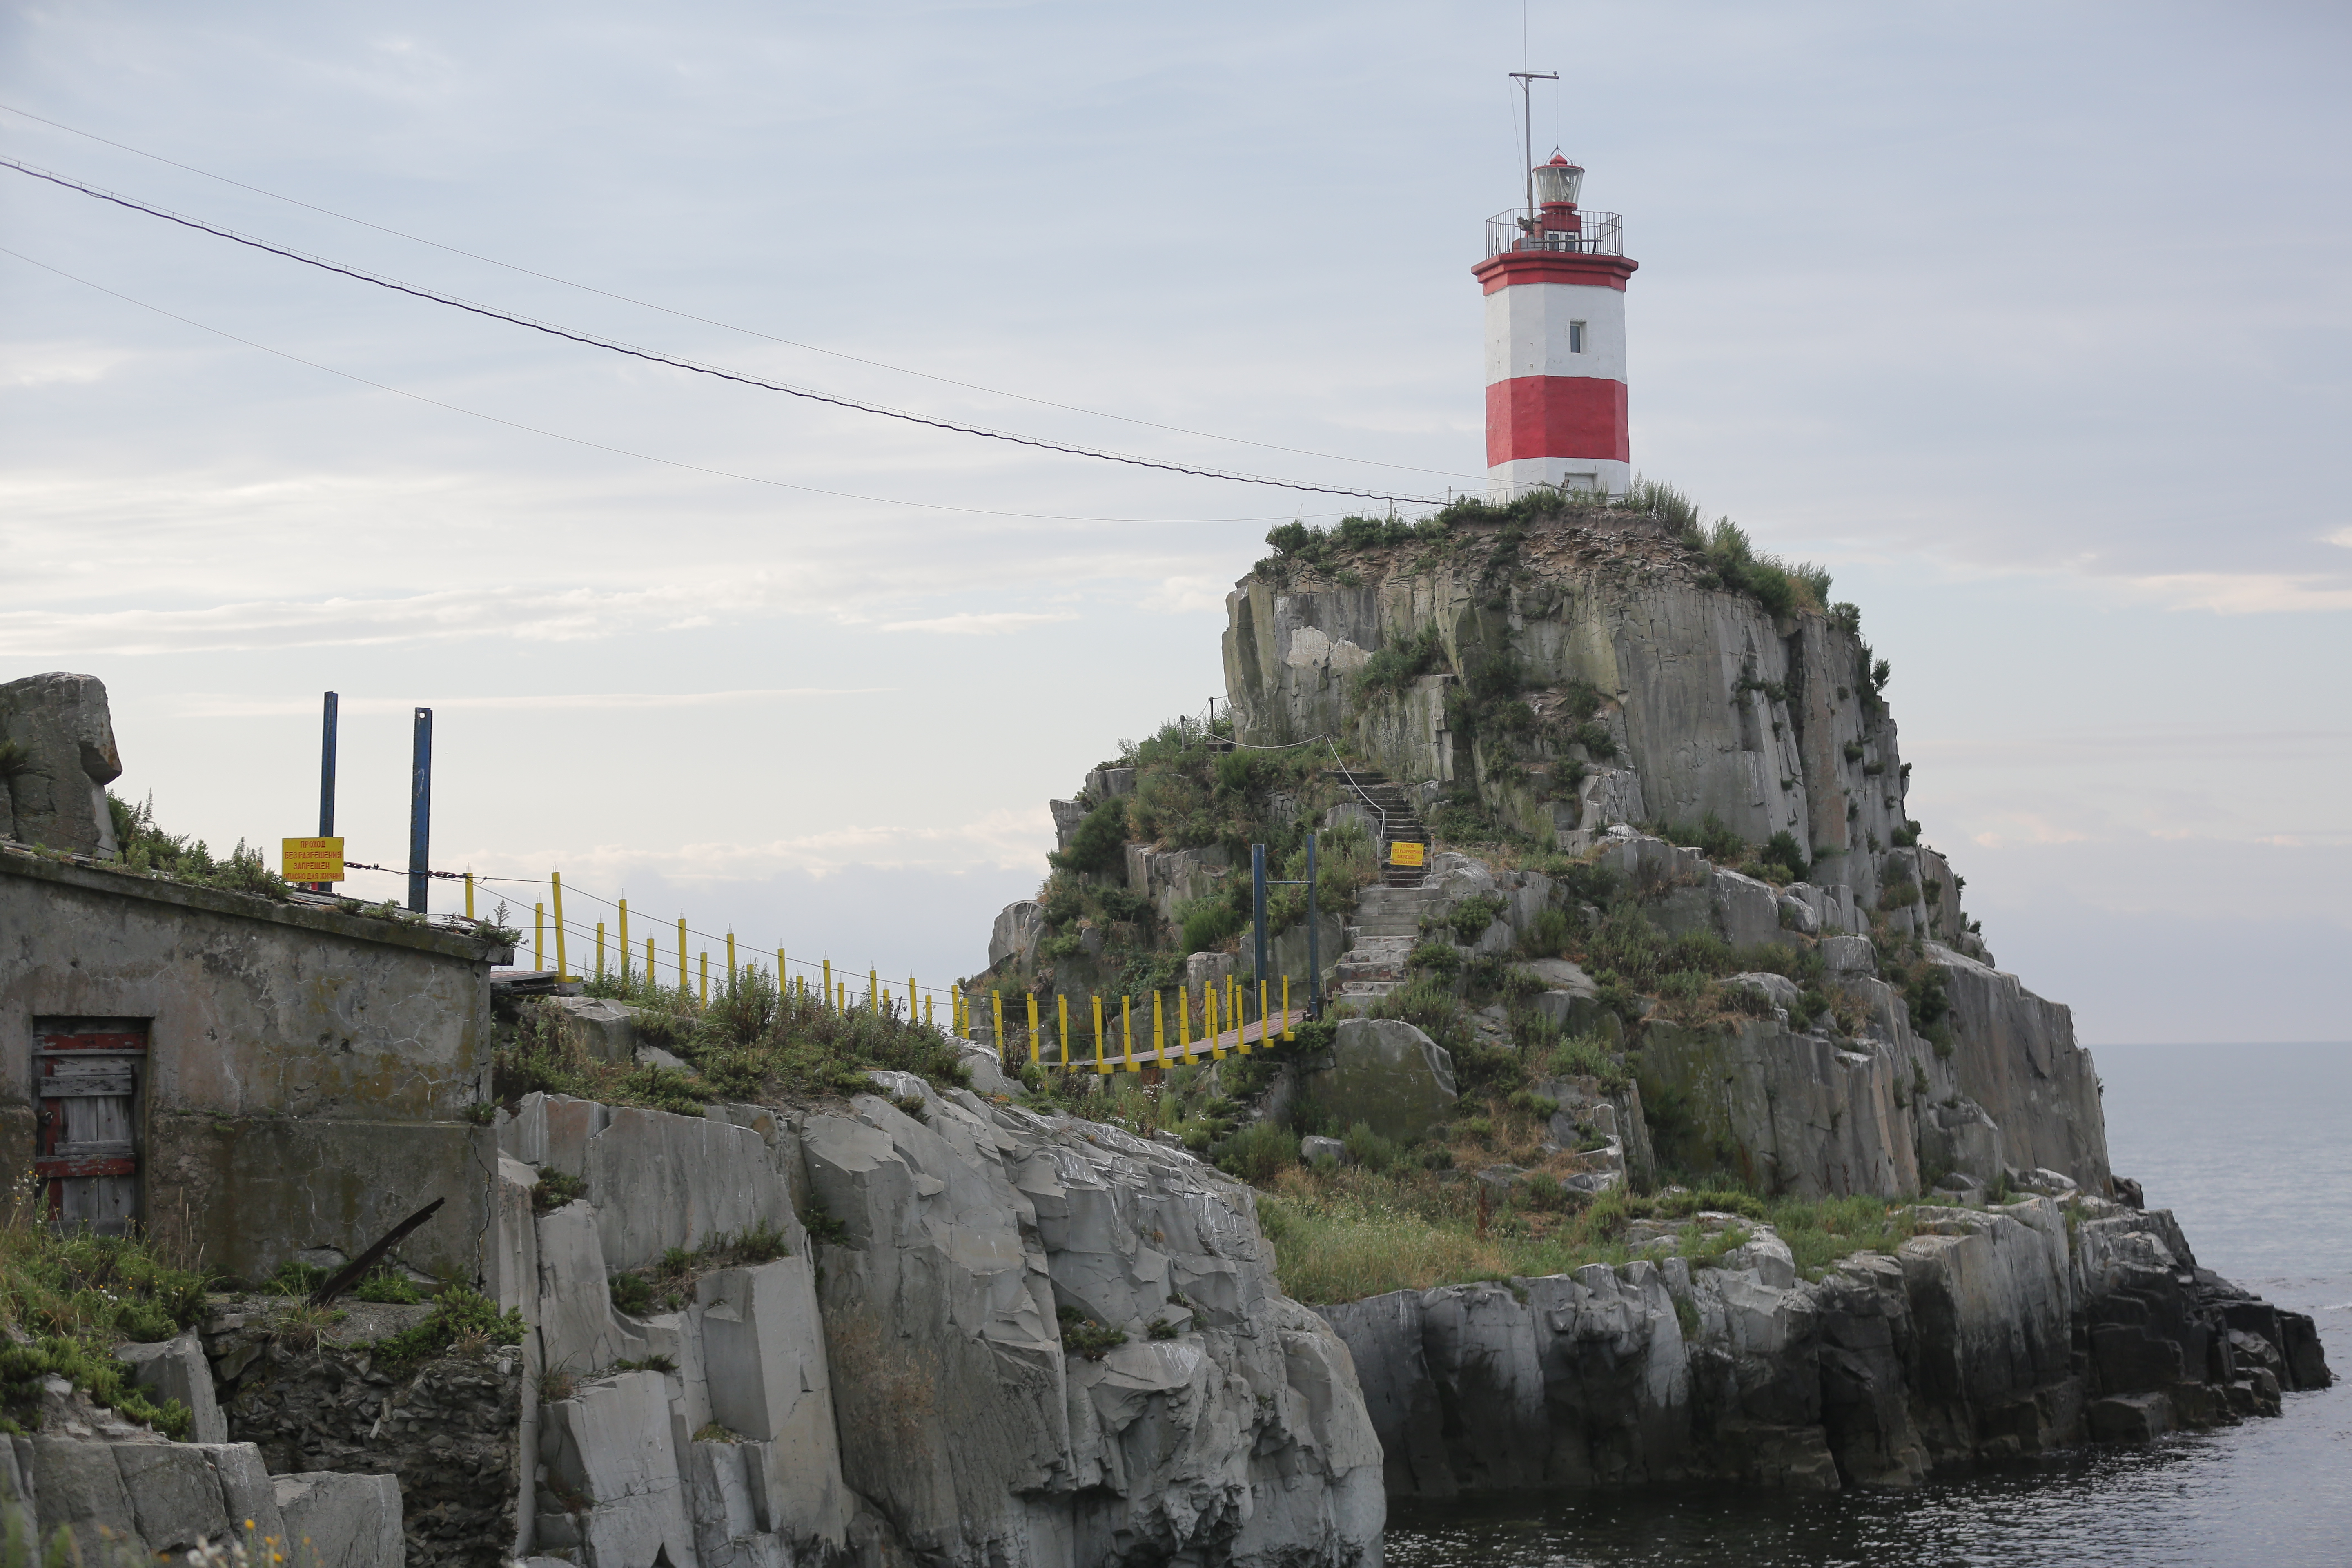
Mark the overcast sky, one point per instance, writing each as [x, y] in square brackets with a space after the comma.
[2030, 321]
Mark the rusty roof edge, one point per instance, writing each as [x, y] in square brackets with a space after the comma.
[99, 877]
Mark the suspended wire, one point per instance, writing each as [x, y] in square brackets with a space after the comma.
[720, 372]
[729, 326]
[602, 445]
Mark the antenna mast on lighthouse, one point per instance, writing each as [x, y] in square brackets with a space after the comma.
[1526, 80]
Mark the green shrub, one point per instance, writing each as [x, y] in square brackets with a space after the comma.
[1258, 1153]
[554, 1189]
[1712, 837]
[1394, 668]
[1434, 958]
[1369, 1149]
[458, 1314]
[1473, 915]
[389, 1286]
[1082, 1336]
[633, 1294]
[1100, 844]
[1548, 935]
[1784, 850]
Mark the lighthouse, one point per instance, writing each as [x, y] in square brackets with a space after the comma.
[1555, 281]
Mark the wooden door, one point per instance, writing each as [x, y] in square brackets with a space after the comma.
[87, 1074]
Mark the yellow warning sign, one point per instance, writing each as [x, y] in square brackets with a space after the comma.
[313, 860]
[1404, 852]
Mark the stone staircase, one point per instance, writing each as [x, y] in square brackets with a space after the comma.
[1388, 925]
[1394, 820]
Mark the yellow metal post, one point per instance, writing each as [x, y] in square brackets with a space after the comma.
[730, 961]
[538, 936]
[1126, 1034]
[1159, 1030]
[681, 958]
[1262, 997]
[927, 1012]
[783, 985]
[563, 970]
[1237, 1010]
[470, 895]
[1184, 1023]
[600, 950]
[828, 985]
[913, 991]
[649, 960]
[1209, 1024]
[1032, 1025]
[1062, 1025]
[873, 990]
[1102, 1062]
[706, 977]
[1288, 1033]
[625, 938]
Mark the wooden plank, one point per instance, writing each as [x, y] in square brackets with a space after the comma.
[55, 1167]
[117, 1084]
[110, 1041]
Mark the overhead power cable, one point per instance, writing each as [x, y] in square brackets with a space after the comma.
[602, 445]
[720, 372]
[725, 326]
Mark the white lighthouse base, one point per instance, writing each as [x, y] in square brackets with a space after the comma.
[1509, 481]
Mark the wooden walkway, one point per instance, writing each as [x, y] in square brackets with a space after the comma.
[1251, 1036]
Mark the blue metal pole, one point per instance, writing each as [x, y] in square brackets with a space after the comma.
[1257, 907]
[420, 809]
[327, 771]
[1314, 939]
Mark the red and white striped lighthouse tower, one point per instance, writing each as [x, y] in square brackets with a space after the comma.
[1555, 281]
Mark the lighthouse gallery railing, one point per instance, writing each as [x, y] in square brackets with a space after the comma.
[1603, 234]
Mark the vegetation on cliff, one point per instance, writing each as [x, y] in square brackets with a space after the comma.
[66, 1300]
[751, 1041]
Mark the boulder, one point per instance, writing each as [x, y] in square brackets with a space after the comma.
[342, 1521]
[606, 1029]
[1313, 1149]
[176, 1369]
[1386, 1074]
[1014, 937]
[1777, 989]
[612, 1450]
[60, 740]
[1849, 956]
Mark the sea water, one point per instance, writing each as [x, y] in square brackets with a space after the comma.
[2252, 1147]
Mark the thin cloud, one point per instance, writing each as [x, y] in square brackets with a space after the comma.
[2248, 594]
[995, 623]
[217, 706]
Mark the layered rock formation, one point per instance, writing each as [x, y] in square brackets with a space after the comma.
[1012, 1339]
[1994, 1333]
[56, 757]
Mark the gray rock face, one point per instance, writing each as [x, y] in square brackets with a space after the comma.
[125, 1493]
[346, 1522]
[1019, 928]
[1957, 1346]
[1387, 1074]
[176, 1369]
[606, 1029]
[61, 740]
[927, 1397]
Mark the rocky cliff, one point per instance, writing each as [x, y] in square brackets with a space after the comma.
[998, 1338]
[1993, 1333]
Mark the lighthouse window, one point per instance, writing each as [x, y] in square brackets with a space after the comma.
[1576, 337]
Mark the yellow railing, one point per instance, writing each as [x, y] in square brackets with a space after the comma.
[1229, 1021]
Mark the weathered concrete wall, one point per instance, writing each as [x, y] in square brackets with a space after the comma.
[308, 1072]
